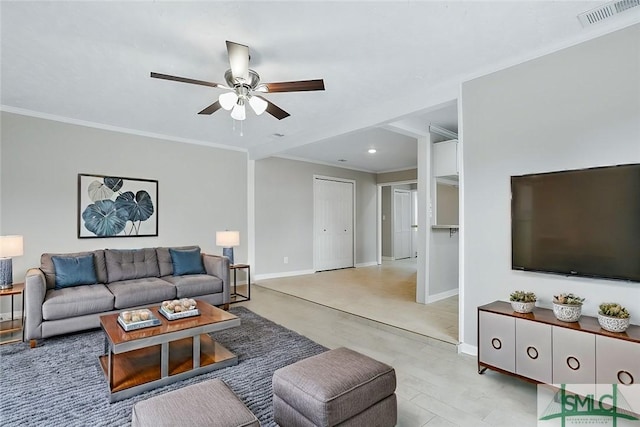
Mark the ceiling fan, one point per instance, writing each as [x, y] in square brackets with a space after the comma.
[244, 87]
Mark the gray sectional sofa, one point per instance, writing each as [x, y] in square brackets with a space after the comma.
[88, 285]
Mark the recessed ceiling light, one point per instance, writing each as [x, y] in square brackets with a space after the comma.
[372, 150]
[342, 160]
[278, 135]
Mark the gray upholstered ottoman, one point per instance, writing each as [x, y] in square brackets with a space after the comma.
[337, 388]
[210, 403]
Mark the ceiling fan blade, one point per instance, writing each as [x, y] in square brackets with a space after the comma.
[185, 80]
[274, 110]
[239, 60]
[211, 108]
[298, 86]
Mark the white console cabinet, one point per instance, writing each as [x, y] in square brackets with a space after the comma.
[539, 348]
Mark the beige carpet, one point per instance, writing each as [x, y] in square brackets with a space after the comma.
[384, 293]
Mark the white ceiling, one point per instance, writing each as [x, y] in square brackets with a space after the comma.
[390, 68]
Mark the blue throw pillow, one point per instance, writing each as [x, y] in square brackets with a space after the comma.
[74, 271]
[186, 262]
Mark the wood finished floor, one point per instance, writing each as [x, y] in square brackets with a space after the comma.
[436, 386]
[385, 293]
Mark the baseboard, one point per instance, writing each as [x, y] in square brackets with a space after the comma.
[367, 264]
[282, 274]
[442, 295]
[467, 349]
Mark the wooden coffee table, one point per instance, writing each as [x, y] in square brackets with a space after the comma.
[144, 359]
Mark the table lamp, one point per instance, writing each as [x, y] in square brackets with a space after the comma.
[10, 246]
[228, 239]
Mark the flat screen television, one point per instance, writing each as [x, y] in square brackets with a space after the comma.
[578, 223]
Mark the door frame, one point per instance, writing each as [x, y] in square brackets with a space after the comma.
[353, 203]
[379, 214]
[394, 218]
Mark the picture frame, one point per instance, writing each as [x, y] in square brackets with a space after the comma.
[110, 206]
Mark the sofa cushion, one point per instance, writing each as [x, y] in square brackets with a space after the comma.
[164, 259]
[74, 271]
[194, 285]
[131, 264]
[186, 261]
[135, 292]
[49, 270]
[76, 301]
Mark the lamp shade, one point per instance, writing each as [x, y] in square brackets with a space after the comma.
[259, 105]
[11, 246]
[239, 112]
[228, 100]
[227, 239]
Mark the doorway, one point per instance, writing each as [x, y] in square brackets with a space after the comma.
[397, 221]
[401, 224]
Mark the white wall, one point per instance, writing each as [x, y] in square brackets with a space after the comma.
[200, 189]
[576, 108]
[284, 214]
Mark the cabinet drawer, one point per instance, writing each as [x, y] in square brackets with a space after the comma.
[574, 357]
[533, 350]
[617, 361]
[496, 345]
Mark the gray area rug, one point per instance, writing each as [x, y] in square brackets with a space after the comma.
[60, 382]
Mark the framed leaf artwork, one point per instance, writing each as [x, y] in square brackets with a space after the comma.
[110, 206]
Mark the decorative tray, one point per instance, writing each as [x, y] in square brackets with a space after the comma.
[179, 309]
[137, 319]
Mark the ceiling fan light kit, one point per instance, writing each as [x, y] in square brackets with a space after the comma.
[242, 83]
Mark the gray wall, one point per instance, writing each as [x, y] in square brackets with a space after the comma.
[200, 190]
[398, 176]
[575, 108]
[447, 204]
[284, 214]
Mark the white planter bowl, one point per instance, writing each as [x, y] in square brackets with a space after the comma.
[523, 307]
[566, 312]
[613, 324]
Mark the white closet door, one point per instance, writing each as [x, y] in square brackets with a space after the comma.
[402, 224]
[333, 228]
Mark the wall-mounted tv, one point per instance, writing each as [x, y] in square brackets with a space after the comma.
[578, 223]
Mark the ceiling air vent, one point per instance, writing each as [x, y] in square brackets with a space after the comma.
[606, 11]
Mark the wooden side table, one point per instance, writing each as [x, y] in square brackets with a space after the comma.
[9, 327]
[235, 295]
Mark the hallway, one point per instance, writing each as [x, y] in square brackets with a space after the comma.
[382, 293]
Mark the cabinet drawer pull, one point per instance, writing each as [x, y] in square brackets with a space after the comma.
[625, 377]
[532, 352]
[573, 363]
[496, 343]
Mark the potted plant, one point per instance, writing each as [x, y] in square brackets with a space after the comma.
[522, 302]
[613, 317]
[567, 307]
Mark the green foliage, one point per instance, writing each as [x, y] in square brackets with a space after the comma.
[613, 309]
[569, 299]
[522, 296]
